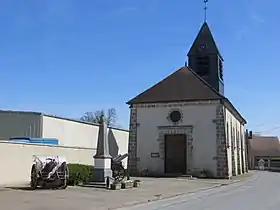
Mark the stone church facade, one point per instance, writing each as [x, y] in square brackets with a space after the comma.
[184, 124]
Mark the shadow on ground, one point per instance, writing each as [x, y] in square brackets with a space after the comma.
[26, 188]
[93, 186]
[277, 170]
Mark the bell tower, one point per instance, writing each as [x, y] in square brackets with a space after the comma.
[205, 59]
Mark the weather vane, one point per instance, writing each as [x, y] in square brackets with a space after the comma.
[205, 9]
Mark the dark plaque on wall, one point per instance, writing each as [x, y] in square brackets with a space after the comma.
[155, 154]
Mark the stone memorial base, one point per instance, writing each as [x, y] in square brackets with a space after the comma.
[99, 175]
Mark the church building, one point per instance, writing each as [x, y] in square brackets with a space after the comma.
[185, 124]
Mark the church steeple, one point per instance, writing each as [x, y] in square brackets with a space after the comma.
[204, 42]
[205, 59]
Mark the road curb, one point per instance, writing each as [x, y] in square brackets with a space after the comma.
[253, 177]
[167, 197]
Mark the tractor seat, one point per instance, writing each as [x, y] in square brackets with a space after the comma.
[49, 167]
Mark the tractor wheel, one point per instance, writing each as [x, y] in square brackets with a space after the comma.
[65, 170]
[34, 178]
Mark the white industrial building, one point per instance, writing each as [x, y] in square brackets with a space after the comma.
[69, 132]
[77, 142]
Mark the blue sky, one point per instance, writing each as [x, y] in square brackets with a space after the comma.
[66, 57]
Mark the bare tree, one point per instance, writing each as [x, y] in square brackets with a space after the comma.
[95, 117]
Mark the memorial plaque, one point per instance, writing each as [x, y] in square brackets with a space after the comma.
[155, 154]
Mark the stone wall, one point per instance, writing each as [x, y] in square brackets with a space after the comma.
[18, 159]
[238, 152]
[246, 153]
[233, 149]
[132, 142]
[242, 155]
[222, 159]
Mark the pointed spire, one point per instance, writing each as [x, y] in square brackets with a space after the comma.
[102, 142]
[204, 42]
[205, 10]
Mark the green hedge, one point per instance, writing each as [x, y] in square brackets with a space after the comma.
[79, 174]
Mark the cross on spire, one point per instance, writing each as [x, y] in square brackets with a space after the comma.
[205, 10]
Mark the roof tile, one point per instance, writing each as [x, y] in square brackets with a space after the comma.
[182, 85]
[265, 145]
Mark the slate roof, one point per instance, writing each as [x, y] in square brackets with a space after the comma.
[181, 86]
[265, 145]
[204, 36]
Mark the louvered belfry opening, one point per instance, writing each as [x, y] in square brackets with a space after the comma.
[203, 65]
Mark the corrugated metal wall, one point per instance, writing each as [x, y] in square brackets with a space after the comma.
[20, 124]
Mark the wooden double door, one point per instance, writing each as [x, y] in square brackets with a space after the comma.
[175, 154]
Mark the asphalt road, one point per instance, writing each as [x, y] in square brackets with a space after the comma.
[259, 193]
